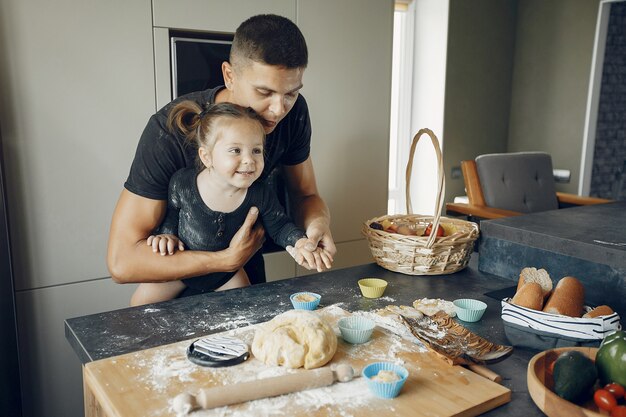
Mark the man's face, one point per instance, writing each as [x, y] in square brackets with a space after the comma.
[270, 90]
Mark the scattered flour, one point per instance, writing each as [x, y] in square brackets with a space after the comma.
[165, 366]
[233, 323]
[340, 400]
[391, 325]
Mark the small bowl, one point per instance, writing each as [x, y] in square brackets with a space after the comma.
[300, 302]
[372, 287]
[540, 384]
[469, 310]
[356, 329]
[385, 389]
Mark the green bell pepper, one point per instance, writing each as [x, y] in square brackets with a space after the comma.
[611, 359]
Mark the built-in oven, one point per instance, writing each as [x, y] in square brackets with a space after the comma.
[196, 60]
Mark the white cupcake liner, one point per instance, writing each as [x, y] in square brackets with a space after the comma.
[469, 310]
[356, 329]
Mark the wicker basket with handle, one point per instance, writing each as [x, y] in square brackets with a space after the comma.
[416, 254]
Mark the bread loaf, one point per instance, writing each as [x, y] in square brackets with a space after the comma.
[530, 295]
[540, 276]
[603, 310]
[567, 298]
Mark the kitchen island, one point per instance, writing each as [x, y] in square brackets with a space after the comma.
[114, 333]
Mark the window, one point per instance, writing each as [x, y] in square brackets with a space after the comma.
[402, 63]
[417, 99]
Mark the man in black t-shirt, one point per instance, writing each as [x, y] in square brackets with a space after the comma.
[267, 62]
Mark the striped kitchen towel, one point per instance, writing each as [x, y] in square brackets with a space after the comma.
[571, 327]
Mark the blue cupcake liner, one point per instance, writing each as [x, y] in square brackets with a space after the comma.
[385, 389]
[305, 305]
[469, 310]
[356, 329]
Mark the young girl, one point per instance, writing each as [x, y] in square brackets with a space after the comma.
[206, 207]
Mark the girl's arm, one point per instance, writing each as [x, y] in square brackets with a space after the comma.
[286, 234]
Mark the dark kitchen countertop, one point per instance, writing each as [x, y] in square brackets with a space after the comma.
[595, 233]
[113, 333]
[587, 242]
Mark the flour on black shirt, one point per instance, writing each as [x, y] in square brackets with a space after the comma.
[201, 228]
[160, 153]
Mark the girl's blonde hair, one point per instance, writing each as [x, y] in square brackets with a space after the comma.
[198, 125]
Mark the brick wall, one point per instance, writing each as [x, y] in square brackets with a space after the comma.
[609, 160]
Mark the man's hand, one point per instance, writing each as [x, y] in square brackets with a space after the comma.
[247, 241]
[319, 235]
[317, 251]
[309, 208]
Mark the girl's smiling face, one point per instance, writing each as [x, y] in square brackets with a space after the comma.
[236, 159]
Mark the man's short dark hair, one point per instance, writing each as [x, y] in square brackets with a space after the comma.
[272, 40]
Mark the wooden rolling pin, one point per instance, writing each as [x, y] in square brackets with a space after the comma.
[485, 372]
[254, 390]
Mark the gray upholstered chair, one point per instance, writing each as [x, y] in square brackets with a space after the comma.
[510, 184]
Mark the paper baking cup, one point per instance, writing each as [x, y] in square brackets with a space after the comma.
[305, 305]
[372, 287]
[469, 310]
[356, 329]
[385, 389]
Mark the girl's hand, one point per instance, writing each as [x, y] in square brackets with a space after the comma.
[319, 258]
[165, 244]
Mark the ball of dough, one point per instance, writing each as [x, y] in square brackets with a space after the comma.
[294, 339]
[386, 376]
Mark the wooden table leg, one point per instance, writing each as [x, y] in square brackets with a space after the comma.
[92, 407]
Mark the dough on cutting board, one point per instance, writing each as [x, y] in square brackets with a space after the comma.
[386, 376]
[431, 306]
[294, 339]
[406, 311]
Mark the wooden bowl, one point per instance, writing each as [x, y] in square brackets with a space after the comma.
[540, 385]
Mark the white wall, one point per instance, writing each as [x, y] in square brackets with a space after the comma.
[428, 100]
[77, 88]
[517, 78]
[77, 85]
[554, 46]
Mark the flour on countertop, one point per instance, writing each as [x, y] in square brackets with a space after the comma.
[233, 323]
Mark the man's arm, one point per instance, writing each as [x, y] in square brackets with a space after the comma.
[130, 259]
[309, 209]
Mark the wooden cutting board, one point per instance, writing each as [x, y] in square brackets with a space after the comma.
[145, 383]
